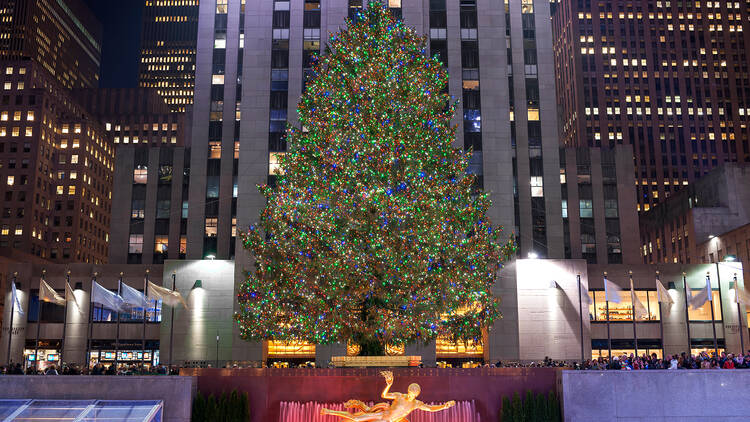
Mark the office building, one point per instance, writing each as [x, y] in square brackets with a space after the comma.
[240, 114]
[168, 41]
[703, 223]
[149, 206]
[669, 78]
[56, 165]
[62, 36]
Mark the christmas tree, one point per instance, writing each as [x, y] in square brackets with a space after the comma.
[374, 232]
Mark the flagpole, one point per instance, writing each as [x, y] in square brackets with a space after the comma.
[661, 321]
[38, 324]
[632, 307]
[711, 298]
[739, 314]
[65, 316]
[609, 334]
[145, 309]
[117, 333]
[12, 311]
[171, 321]
[580, 308]
[687, 312]
[91, 323]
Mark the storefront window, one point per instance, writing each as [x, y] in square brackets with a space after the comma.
[623, 311]
[280, 348]
[445, 348]
[704, 312]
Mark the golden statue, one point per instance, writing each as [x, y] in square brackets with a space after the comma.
[397, 411]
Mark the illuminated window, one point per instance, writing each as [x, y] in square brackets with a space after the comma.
[135, 243]
[74, 159]
[65, 128]
[217, 80]
[60, 189]
[19, 230]
[537, 186]
[5, 230]
[73, 175]
[8, 70]
[279, 348]
[16, 131]
[214, 149]
[221, 6]
[30, 116]
[11, 180]
[29, 131]
[394, 3]
[704, 312]
[4, 116]
[140, 176]
[533, 114]
[7, 86]
[17, 116]
[211, 226]
[71, 190]
[21, 85]
[565, 208]
[623, 311]
[160, 244]
[274, 166]
[586, 208]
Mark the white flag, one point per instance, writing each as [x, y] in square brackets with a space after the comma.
[639, 311]
[585, 295]
[107, 299]
[703, 296]
[48, 294]
[14, 298]
[612, 292]
[168, 297]
[662, 294]
[69, 295]
[133, 297]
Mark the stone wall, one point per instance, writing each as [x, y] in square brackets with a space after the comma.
[655, 396]
[176, 392]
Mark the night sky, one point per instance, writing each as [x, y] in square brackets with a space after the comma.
[121, 20]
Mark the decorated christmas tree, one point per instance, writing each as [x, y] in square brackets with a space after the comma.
[374, 232]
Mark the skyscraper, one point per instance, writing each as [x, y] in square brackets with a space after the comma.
[168, 40]
[56, 164]
[63, 36]
[670, 78]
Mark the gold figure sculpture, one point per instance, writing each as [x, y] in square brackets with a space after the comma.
[397, 411]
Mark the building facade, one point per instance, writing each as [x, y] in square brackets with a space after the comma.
[149, 213]
[598, 204]
[56, 166]
[669, 78]
[168, 47]
[714, 205]
[63, 36]
[239, 114]
[560, 303]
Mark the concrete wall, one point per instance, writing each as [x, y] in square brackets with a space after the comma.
[655, 396]
[548, 299]
[210, 312]
[176, 392]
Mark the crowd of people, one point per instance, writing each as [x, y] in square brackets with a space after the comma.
[98, 369]
[703, 360]
[625, 362]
